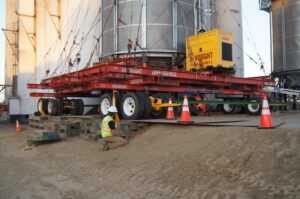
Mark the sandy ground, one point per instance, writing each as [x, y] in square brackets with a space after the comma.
[164, 162]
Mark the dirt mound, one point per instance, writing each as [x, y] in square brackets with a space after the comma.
[164, 162]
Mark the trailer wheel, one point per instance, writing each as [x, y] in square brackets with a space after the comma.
[147, 105]
[44, 107]
[74, 104]
[253, 109]
[132, 106]
[68, 103]
[119, 98]
[228, 108]
[194, 110]
[105, 103]
[52, 107]
[219, 108]
[238, 109]
[80, 107]
[60, 106]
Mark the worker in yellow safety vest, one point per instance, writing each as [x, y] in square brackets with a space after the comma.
[111, 139]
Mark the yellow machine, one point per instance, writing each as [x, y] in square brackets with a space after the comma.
[209, 50]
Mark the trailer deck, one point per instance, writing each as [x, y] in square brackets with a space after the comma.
[127, 75]
[143, 92]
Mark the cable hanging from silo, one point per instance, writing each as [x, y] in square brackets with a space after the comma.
[69, 35]
[68, 57]
[250, 32]
[102, 31]
[52, 20]
[29, 35]
[251, 58]
[139, 27]
[83, 22]
[120, 16]
[84, 38]
[93, 25]
[47, 53]
[8, 41]
[77, 58]
[246, 35]
[54, 44]
[262, 64]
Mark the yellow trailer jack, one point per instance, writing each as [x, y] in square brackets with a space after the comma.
[157, 104]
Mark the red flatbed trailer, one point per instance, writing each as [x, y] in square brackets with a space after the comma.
[125, 75]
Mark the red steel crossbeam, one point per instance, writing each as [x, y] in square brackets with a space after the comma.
[120, 86]
[97, 69]
[182, 75]
[123, 68]
[125, 75]
[60, 95]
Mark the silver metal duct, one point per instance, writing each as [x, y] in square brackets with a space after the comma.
[206, 14]
[154, 26]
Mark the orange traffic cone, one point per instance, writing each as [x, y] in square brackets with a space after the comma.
[18, 127]
[185, 114]
[265, 119]
[170, 113]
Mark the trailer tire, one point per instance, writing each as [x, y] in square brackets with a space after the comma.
[194, 110]
[147, 105]
[253, 109]
[238, 109]
[104, 104]
[80, 107]
[132, 106]
[52, 107]
[60, 106]
[219, 108]
[68, 103]
[228, 108]
[44, 102]
[119, 98]
[74, 104]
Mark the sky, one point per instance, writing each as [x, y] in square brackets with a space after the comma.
[256, 39]
[256, 28]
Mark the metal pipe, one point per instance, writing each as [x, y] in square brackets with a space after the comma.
[283, 38]
[175, 25]
[206, 12]
[116, 25]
